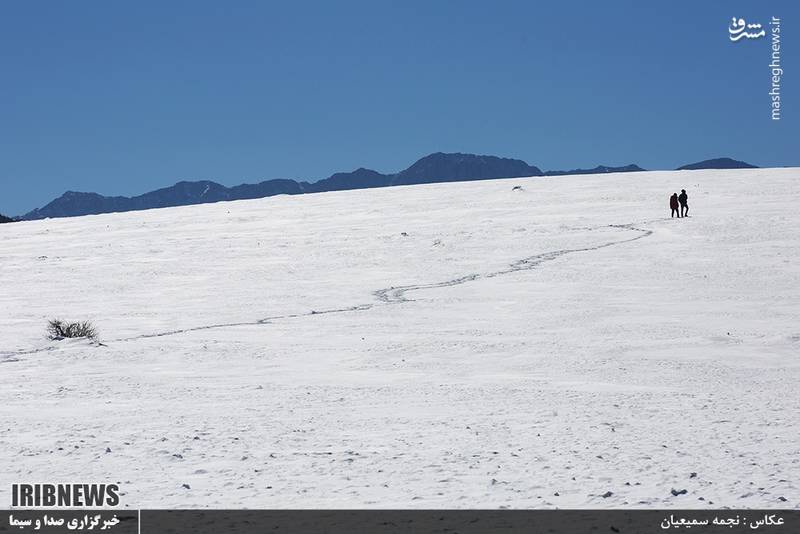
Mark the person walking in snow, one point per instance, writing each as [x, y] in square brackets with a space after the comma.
[683, 199]
[673, 205]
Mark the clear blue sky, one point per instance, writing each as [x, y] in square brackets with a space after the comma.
[125, 97]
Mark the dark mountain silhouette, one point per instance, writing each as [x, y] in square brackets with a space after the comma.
[181, 194]
[717, 163]
[267, 188]
[597, 170]
[4, 219]
[434, 168]
[358, 179]
[440, 167]
[72, 203]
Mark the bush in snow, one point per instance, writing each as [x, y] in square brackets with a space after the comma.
[58, 329]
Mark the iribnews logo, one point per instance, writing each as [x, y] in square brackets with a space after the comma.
[739, 29]
[64, 495]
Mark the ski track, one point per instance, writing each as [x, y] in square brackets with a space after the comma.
[386, 296]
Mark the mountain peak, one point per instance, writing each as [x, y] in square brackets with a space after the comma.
[717, 163]
[361, 178]
[457, 167]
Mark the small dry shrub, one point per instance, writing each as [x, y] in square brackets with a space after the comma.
[58, 329]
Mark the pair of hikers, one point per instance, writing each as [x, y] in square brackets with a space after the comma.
[679, 200]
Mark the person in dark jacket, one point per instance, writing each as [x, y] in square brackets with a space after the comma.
[683, 199]
[673, 205]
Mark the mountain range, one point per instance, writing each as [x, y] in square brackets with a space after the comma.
[434, 168]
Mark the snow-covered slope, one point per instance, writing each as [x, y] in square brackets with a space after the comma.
[451, 345]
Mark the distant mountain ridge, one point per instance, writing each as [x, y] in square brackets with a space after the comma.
[358, 179]
[433, 168]
[438, 167]
[600, 169]
[717, 163]
[4, 219]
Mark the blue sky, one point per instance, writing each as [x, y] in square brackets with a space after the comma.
[125, 97]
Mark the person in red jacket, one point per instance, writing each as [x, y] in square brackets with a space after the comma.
[673, 205]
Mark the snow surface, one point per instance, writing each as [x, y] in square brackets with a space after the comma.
[452, 345]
